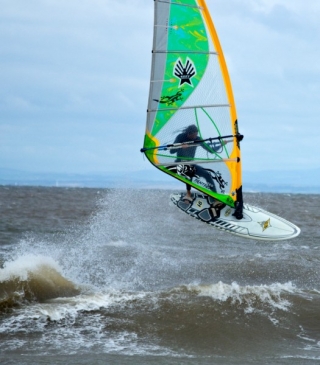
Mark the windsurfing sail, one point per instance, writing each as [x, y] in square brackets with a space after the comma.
[192, 131]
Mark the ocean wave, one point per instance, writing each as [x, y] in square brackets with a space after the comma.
[191, 318]
[36, 278]
[32, 278]
[249, 295]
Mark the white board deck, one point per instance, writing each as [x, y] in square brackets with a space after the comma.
[256, 223]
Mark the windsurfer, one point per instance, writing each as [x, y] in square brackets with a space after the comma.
[185, 152]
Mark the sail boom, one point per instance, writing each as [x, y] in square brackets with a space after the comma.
[186, 145]
[193, 143]
[190, 107]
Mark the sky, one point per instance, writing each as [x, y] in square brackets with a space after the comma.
[74, 82]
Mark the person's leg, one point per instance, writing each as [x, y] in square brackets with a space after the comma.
[188, 187]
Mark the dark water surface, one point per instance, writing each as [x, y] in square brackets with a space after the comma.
[96, 276]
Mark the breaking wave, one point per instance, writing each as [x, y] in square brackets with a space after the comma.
[32, 278]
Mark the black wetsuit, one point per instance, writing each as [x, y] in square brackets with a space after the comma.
[185, 154]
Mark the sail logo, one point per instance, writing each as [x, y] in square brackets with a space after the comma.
[265, 225]
[199, 203]
[171, 100]
[185, 72]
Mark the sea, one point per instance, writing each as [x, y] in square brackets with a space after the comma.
[119, 276]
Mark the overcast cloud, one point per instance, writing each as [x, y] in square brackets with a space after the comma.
[74, 79]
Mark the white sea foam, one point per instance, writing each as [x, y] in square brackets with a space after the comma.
[62, 314]
[21, 267]
[298, 357]
[61, 308]
[248, 295]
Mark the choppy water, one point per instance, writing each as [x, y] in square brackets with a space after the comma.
[120, 277]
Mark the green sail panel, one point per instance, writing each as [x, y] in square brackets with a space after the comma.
[185, 34]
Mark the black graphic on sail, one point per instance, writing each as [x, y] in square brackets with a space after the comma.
[185, 72]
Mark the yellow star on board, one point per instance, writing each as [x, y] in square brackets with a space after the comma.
[265, 224]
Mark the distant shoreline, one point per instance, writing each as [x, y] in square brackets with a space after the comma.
[292, 182]
[247, 190]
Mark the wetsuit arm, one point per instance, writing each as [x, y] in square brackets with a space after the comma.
[177, 140]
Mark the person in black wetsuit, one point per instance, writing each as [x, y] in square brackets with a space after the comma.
[186, 153]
